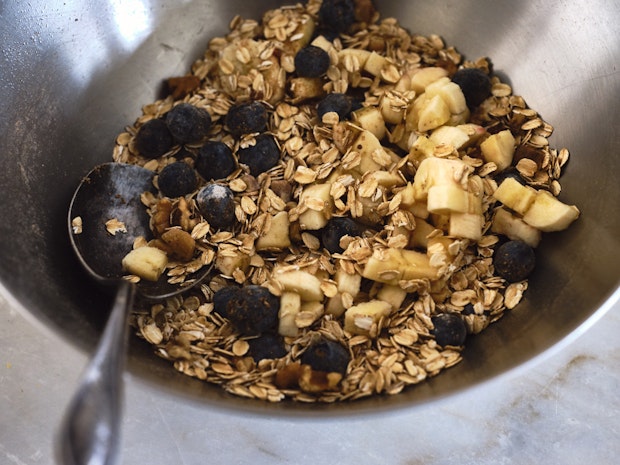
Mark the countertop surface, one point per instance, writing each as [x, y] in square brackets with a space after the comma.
[563, 410]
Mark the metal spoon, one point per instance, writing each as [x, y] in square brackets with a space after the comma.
[90, 432]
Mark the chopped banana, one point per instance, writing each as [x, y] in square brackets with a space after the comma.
[303, 283]
[423, 77]
[450, 93]
[348, 282]
[419, 236]
[227, 261]
[373, 156]
[290, 306]
[447, 198]
[499, 148]
[371, 119]
[391, 265]
[394, 295]
[515, 228]
[319, 202]
[277, 236]
[548, 214]
[375, 63]
[515, 196]
[146, 262]
[360, 318]
[466, 225]
[434, 113]
[354, 54]
[435, 171]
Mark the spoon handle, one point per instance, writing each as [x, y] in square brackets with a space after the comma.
[90, 433]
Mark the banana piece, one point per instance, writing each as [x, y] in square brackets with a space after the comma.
[466, 225]
[458, 137]
[146, 262]
[323, 43]
[375, 63]
[360, 318]
[290, 306]
[499, 148]
[450, 92]
[514, 228]
[320, 206]
[370, 119]
[373, 156]
[394, 295]
[515, 196]
[359, 55]
[227, 261]
[422, 148]
[548, 214]
[308, 314]
[435, 171]
[391, 114]
[419, 236]
[277, 237]
[304, 88]
[335, 306]
[301, 282]
[247, 48]
[447, 198]
[275, 78]
[346, 282]
[387, 179]
[422, 77]
[391, 265]
[434, 113]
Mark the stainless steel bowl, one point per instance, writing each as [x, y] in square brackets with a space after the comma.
[74, 73]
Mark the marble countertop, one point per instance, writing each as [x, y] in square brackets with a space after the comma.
[565, 410]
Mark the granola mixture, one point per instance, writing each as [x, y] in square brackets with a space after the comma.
[378, 296]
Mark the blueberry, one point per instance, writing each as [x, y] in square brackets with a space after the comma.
[153, 139]
[253, 310]
[261, 156]
[217, 205]
[337, 15]
[339, 103]
[514, 261]
[475, 84]
[187, 123]
[511, 172]
[311, 62]
[215, 160]
[449, 329]
[266, 346]
[327, 356]
[221, 299]
[246, 118]
[177, 179]
[335, 229]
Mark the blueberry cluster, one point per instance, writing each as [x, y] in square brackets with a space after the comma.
[327, 356]
[252, 309]
[183, 124]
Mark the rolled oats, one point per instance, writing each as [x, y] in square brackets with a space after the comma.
[396, 350]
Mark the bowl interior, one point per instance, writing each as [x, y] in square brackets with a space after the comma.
[74, 73]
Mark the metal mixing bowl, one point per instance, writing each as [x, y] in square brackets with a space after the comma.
[74, 73]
